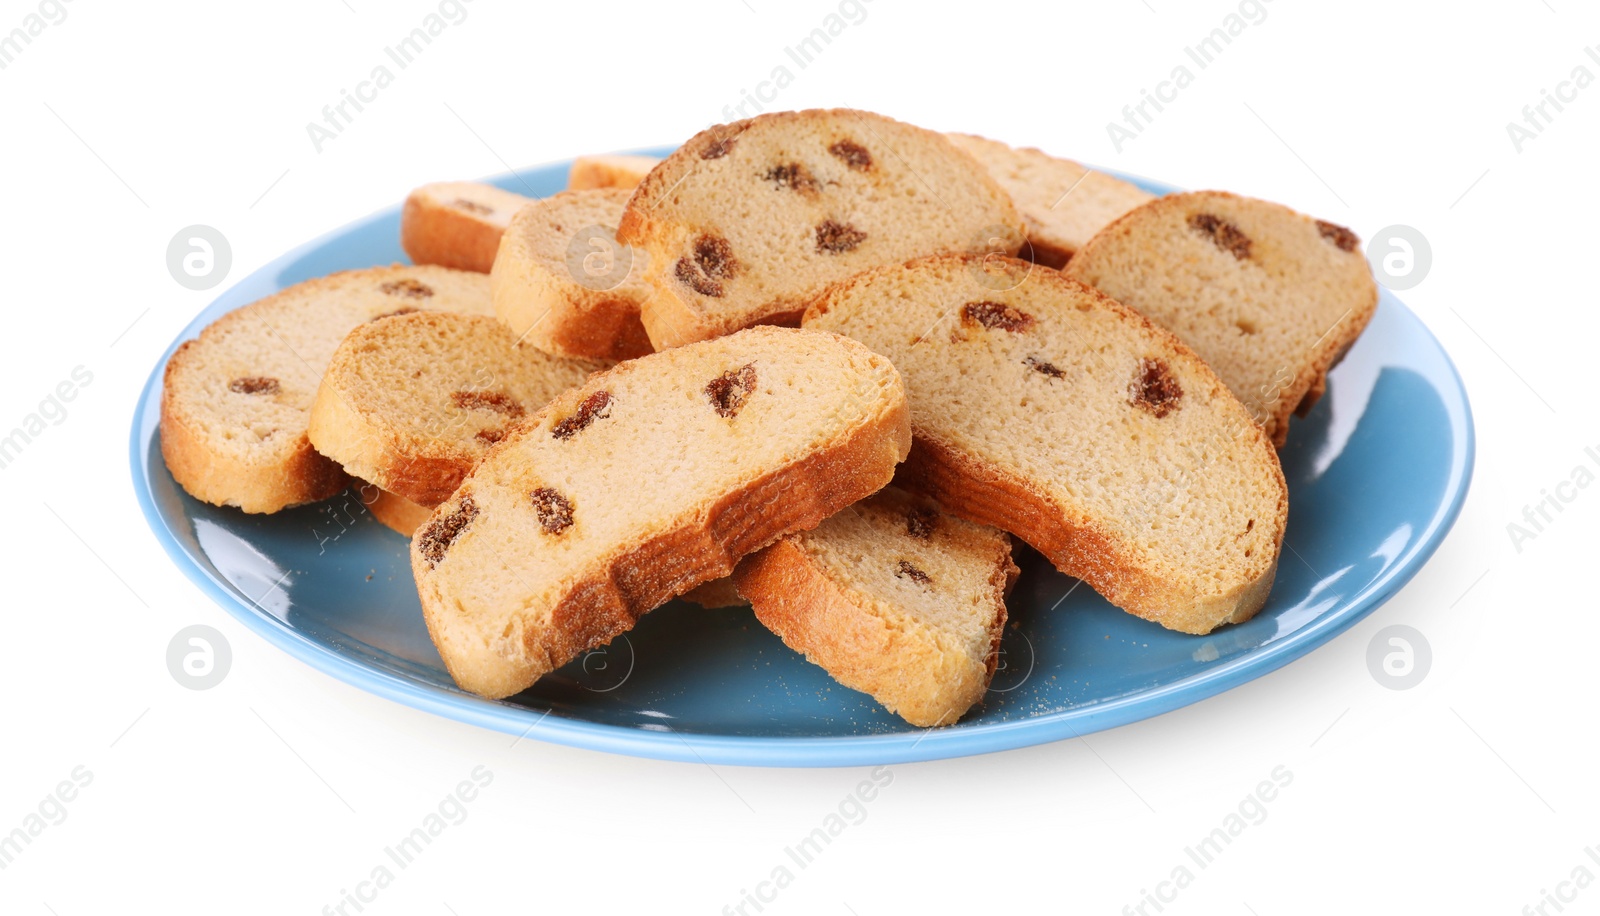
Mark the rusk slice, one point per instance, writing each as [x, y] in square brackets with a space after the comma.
[609, 171]
[562, 283]
[235, 401]
[748, 222]
[413, 402]
[1063, 203]
[893, 598]
[651, 478]
[457, 223]
[1270, 298]
[1046, 409]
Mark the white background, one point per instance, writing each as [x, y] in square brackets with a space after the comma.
[280, 787]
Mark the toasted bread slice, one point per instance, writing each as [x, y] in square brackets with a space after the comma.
[562, 282]
[893, 598]
[236, 400]
[748, 222]
[1046, 409]
[609, 171]
[1270, 298]
[457, 223]
[413, 402]
[653, 477]
[1063, 203]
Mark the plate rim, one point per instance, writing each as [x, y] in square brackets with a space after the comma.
[740, 750]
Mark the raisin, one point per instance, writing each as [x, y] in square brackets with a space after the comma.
[1043, 368]
[407, 288]
[854, 154]
[471, 206]
[1338, 235]
[689, 276]
[718, 147]
[1223, 234]
[487, 400]
[256, 384]
[713, 262]
[906, 571]
[921, 522]
[714, 256]
[435, 541]
[596, 406]
[837, 238]
[994, 315]
[731, 389]
[554, 510]
[490, 436]
[407, 310]
[1153, 388]
[793, 176]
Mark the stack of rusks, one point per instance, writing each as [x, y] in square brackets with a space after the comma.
[823, 363]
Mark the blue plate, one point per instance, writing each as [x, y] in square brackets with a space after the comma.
[1377, 474]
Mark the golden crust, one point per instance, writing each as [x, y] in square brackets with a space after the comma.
[432, 233]
[394, 511]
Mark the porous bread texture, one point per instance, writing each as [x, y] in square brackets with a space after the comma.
[609, 171]
[748, 222]
[893, 598]
[653, 477]
[457, 223]
[413, 402]
[1062, 203]
[395, 511]
[1270, 298]
[1046, 409]
[563, 283]
[235, 401]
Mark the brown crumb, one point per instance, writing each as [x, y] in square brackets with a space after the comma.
[906, 571]
[487, 400]
[837, 238]
[713, 262]
[794, 176]
[695, 280]
[442, 532]
[996, 315]
[921, 522]
[596, 406]
[255, 384]
[1153, 388]
[854, 154]
[554, 510]
[731, 389]
[490, 436]
[1223, 234]
[718, 147]
[1338, 235]
[1043, 368]
[407, 289]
